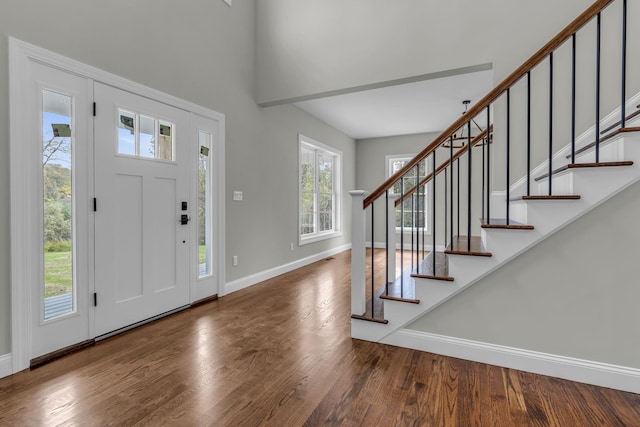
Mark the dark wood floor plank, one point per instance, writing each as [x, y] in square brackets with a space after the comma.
[280, 354]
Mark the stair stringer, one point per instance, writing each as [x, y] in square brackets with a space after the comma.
[594, 185]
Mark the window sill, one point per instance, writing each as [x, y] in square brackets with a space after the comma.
[318, 237]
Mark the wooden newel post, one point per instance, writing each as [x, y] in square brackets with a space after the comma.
[358, 252]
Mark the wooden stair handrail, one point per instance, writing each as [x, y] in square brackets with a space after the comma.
[444, 165]
[583, 19]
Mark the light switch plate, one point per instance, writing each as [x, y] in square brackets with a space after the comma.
[228, 2]
[237, 195]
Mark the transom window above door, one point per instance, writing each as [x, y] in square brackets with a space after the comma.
[143, 136]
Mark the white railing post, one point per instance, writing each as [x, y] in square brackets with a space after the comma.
[358, 252]
[391, 230]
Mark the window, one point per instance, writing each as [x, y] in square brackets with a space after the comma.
[58, 199]
[204, 204]
[143, 136]
[413, 211]
[319, 190]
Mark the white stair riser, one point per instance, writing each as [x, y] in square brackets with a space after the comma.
[547, 215]
[506, 242]
[610, 151]
[467, 269]
[561, 183]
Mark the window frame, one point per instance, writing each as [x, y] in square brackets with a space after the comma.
[336, 231]
[389, 159]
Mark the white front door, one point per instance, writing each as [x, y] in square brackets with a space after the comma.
[58, 143]
[142, 170]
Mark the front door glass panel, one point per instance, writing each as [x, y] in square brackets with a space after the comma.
[57, 185]
[204, 203]
[144, 136]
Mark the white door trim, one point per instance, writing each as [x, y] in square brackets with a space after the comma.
[21, 178]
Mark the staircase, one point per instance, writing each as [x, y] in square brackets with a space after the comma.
[548, 170]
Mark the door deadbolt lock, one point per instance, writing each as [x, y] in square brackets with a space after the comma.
[184, 219]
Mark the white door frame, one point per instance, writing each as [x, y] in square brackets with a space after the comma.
[24, 180]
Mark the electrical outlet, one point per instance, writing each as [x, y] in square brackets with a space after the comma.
[235, 260]
[237, 196]
[291, 246]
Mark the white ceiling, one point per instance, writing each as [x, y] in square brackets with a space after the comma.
[420, 107]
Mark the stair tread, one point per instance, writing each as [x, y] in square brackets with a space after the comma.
[370, 319]
[600, 164]
[630, 129]
[460, 246]
[428, 276]
[426, 271]
[547, 197]
[501, 223]
[393, 298]
[584, 166]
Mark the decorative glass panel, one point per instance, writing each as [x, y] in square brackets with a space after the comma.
[165, 144]
[126, 133]
[147, 137]
[204, 203]
[57, 185]
[144, 136]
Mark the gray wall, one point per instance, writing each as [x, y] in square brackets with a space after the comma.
[576, 294]
[301, 41]
[204, 52]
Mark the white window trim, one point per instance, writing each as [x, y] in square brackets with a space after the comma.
[409, 230]
[337, 185]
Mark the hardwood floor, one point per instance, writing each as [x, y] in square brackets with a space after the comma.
[280, 354]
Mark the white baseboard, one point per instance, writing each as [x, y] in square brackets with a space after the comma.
[6, 365]
[584, 371]
[253, 279]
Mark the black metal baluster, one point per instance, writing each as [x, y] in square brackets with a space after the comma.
[623, 100]
[401, 233]
[433, 211]
[451, 187]
[598, 43]
[469, 187]
[413, 225]
[446, 213]
[484, 148]
[424, 213]
[489, 136]
[458, 169]
[373, 264]
[386, 221]
[416, 214]
[508, 189]
[528, 133]
[550, 122]
[573, 98]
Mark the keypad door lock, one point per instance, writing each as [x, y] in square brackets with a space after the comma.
[184, 219]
